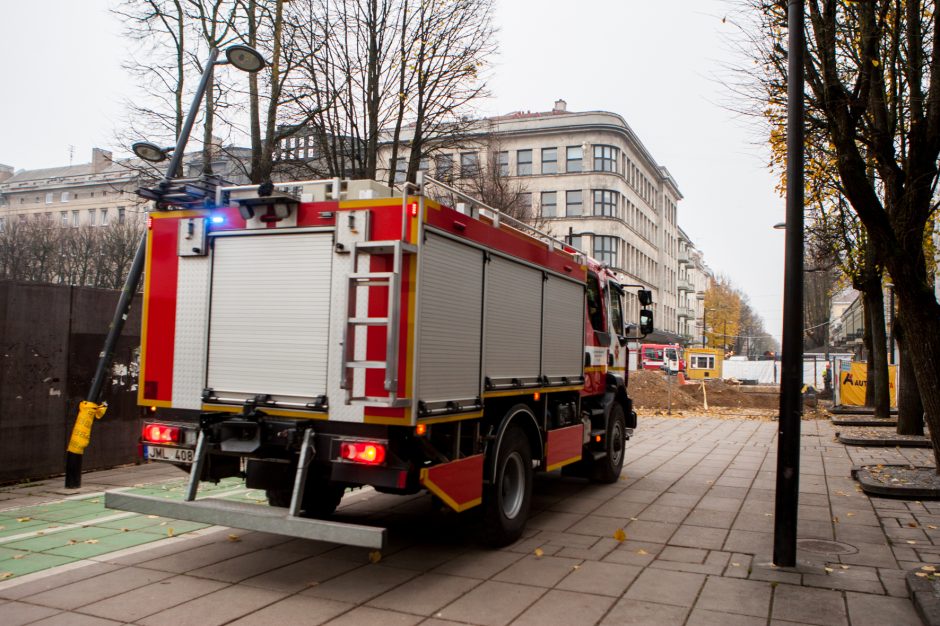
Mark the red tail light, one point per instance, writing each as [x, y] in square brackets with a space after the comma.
[367, 452]
[158, 433]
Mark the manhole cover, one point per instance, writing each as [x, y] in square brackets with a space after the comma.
[821, 546]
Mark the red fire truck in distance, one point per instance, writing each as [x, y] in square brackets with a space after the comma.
[329, 335]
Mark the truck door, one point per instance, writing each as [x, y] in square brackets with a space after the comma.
[618, 344]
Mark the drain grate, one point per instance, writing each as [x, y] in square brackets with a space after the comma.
[821, 546]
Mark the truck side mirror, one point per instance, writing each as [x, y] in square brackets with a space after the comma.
[645, 296]
[646, 321]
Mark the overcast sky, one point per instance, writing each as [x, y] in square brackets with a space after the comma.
[659, 64]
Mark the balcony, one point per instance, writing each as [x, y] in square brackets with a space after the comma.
[685, 312]
[684, 257]
[684, 285]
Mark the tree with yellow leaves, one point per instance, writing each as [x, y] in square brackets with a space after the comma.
[722, 314]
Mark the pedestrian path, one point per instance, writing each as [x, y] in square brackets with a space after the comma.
[34, 538]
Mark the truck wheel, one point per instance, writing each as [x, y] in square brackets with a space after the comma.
[607, 469]
[321, 497]
[506, 501]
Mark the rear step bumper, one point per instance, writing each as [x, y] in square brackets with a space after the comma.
[249, 517]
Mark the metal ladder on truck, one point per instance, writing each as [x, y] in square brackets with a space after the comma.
[355, 320]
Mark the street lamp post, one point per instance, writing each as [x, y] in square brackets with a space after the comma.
[791, 409]
[244, 58]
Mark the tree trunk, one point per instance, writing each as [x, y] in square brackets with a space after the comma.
[910, 407]
[866, 343]
[919, 315]
[207, 140]
[877, 384]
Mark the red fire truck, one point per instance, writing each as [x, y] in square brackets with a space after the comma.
[661, 356]
[326, 335]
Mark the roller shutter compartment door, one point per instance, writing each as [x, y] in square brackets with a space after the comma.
[451, 293]
[513, 320]
[563, 328]
[269, 315]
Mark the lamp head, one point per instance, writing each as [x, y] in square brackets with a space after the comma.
[149, 151]
[245, 58]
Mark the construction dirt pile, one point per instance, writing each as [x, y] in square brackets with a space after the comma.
[652, 395]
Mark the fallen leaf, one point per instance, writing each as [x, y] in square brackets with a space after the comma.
[40, 533]
[921, 574]
[930, 526]
[619, 535]
[575, 567]
[539, 552]
[18, 557]
[152, 517]
[5, 575]
[633, 519]
[163, 523]
[234, 538]
[844, 566]
[375, 556]
[835, 519]
[912, 524]
[124, 530]
[169, 531]
[95, 501]
[850, 514]
[91, 541]
[928, 568]
[735, 565]
[72, 542]
[642, 552]
[911, 541]
[829, 570]
[23, 519]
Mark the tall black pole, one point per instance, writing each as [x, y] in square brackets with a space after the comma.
[791, 379]
[73, 458]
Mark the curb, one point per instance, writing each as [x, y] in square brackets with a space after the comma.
[925, 594]
[865, 422]
[885, 442]
[841, 409]
[874, 487]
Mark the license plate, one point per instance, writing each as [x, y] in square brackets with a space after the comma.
[174, 455]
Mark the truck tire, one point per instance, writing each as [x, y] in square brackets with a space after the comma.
[321, 497]
[507, 500]
[607, 469]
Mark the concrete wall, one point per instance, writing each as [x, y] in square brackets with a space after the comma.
[50, 337]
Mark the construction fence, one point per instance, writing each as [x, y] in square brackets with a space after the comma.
[50, 339]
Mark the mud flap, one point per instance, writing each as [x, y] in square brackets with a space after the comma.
[458, 483]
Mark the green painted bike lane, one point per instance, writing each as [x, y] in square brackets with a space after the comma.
[55, 533]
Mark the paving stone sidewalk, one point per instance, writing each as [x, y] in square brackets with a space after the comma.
[695, 504]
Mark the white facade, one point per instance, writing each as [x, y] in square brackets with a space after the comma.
[590, 180]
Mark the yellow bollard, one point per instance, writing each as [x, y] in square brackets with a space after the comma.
[88, 412]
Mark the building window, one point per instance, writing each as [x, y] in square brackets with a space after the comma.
[702, 362]
[605, 158]
[549, 203]
[574, 241]
[444, 166]
[63, 218]
[91, 217]
[49, 197]
[525, 204]
[605, 250]
[75, 218]
[424, 164]
[549, 160]
[574, 159]
[121, 212]
[401, 169]
[469, 164]
[573, 203]
[104, 217]
[605, 203]
[3, 224]
[65, 196]
[502, 163]
[523, 162]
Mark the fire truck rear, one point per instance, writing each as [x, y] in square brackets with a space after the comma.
[326, 335]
